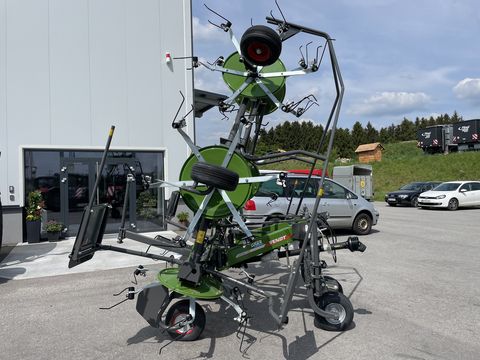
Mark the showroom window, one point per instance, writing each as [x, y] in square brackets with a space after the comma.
[66, 179]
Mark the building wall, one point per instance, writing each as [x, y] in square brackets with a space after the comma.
[369, 156]
[69, 69]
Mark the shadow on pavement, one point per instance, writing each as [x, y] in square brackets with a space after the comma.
[12, 257]
[270, 277]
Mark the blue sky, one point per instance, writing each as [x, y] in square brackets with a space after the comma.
[398, 58]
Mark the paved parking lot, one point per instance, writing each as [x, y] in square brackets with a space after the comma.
[415, 291]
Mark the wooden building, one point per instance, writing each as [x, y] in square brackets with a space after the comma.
[369, 152]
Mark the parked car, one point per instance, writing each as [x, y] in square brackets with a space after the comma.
[346, 209]
[452, 195]
[408, 194]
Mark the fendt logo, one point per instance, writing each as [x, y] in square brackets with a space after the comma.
[464, 128]
[427, 135]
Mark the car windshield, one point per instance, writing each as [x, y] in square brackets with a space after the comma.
[412, 186]
[447, 187]
[269, 188]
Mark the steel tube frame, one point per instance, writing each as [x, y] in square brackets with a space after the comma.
[311, 235]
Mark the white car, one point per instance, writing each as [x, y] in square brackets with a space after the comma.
[451, 195]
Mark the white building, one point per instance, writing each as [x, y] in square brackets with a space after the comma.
[69, 69]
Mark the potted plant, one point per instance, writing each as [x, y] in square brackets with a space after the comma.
[54, 229]
[34, 211]
[183, 218]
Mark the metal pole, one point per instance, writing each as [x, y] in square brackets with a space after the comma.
[88, 209]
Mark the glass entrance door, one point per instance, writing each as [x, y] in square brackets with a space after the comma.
[112, 191]
[77, 181]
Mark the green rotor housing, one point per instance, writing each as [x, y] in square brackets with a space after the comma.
[253, 91]
[217, 208]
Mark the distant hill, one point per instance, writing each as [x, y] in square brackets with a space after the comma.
[403, 162]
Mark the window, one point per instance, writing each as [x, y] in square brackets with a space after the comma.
[447, 187]
[465, 187]
[65, 177]
[269, 188]
[333, 191]
[295, 187]
[475, 186]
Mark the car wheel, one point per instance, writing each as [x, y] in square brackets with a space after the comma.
[338, 303]
[392, 204]
[453, 204]
[414, 201]
[362, 224]
[179, 312]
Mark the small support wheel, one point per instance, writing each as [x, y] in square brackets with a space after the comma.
[339, 304]
[261, 45]
[179, 312]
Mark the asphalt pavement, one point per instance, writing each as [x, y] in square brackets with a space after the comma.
[415, 293]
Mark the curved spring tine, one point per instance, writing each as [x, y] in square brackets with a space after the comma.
[179, 108]
[306, 51]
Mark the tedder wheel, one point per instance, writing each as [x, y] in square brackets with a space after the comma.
[453, 204]
[338, 303]
[261, 45]
[214, 175]
[362, 224]
[178, 312]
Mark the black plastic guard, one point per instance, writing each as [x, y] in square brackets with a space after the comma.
[150, 301]
[90, 235]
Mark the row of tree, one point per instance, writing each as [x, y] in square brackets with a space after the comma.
[307, 135]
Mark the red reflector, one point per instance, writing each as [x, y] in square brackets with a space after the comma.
[250, 205]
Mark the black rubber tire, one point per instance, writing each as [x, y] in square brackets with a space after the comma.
[181, 309]
[453, 204]
[393, 205]
[261, 45]
[362, 224]
[414, 201]
[215, 176]
[338, 302]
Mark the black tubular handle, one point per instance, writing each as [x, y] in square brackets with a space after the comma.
[352, 244]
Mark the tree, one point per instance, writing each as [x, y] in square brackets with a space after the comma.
[358, 134]
[371, 133]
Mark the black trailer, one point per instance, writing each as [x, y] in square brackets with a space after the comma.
[466, 134]
[435, 139]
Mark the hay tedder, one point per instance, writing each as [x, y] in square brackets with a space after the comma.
[215, 183]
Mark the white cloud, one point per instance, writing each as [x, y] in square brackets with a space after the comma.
[206, 31]
[391, 103]
[468, 89]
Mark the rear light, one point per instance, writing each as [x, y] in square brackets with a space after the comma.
[250, 205]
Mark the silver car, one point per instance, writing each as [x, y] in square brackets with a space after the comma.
[346, 209]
